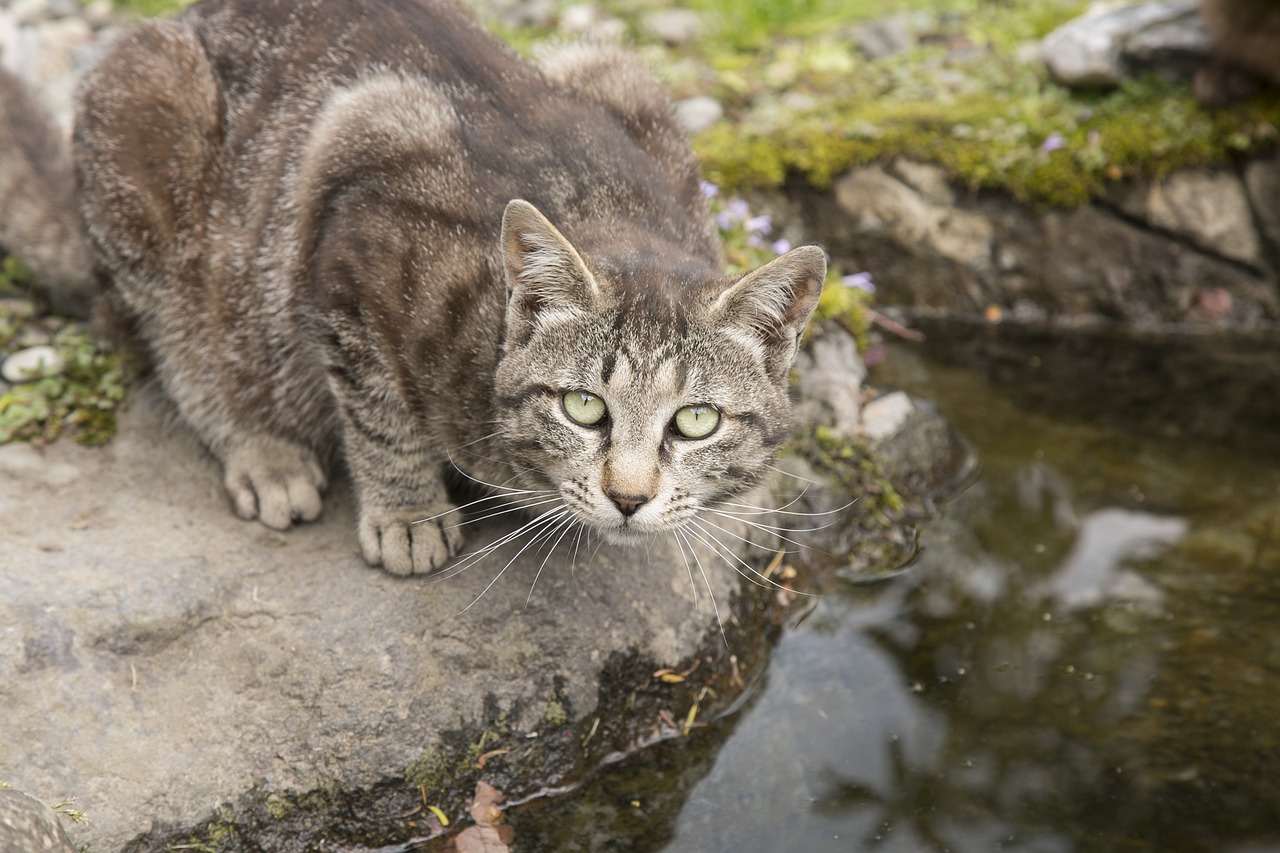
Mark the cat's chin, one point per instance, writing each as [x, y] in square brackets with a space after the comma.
[630, 536]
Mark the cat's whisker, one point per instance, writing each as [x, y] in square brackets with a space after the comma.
[506, 510]
[753, 544]
[727, 554]
[682, 539]
[476, 556]
[773, 528]
[470, 504]
[548, 525]
[565, 525]
[748, 509]
[792, 475]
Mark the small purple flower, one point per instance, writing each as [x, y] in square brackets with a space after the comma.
[762, 224]
[859, 280]
[734, 212]
[754, 240]
[781, 246]
[1052, 142]
[709, 190]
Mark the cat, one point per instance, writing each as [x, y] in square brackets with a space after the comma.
[1245, 36]
[369, 223]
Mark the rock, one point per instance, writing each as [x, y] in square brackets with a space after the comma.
[884, 416]
[889, 35]
[697, 114]
[29, 826]
[829, 384]
[177, 668]
[877, 202]
[31, 363]
[673, 26]
[1209, 208]
[578, 18]
[1262, 183]
[925, 178]
[24, 463]
[1100, 49]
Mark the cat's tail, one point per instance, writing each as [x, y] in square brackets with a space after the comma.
[39, 221]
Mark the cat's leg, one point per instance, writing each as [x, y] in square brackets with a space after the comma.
[148, 154]
[407, 524]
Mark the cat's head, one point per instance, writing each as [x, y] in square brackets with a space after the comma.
[642, 397]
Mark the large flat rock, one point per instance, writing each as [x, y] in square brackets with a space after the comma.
[169, 665]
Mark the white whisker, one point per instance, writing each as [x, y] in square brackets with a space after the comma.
[549, 524]
[565, 525]
[474, 557]
[731, 558]
[682, 536]
[759, 525]
[505, 511]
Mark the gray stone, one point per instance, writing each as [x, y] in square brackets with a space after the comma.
[1262, 183]
[1209, 208]
[830, 374]
[31, 363]
[159, 656]
[699, 113]
[1093, 50]
[884, 416]
[29, 826]
[889, 35]
[876, 202]
[925, 178]
[674, 26]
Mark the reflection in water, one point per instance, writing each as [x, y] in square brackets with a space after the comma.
[1085, 658]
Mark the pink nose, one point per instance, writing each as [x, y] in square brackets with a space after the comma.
[628, 504]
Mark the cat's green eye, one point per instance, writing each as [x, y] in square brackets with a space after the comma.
[584, 408]
[696, 421]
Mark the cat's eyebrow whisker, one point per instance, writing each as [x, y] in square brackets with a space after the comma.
[682, 538]
[548, 525]
[564, 526]
[711, 541]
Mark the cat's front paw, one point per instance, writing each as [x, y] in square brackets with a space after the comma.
[274, 481]
[410, 542]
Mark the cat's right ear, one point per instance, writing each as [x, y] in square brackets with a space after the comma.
[547, 280]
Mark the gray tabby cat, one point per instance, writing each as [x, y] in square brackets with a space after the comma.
[332, 221]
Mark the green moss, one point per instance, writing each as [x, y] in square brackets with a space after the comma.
[556, 714]
[277, 806]
[814, 109]
[83, 399]
[431, 771]
[852, 465]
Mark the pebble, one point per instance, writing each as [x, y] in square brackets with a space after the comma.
[31, 363]
[884, 416]
[673, 26]
[1093, 50]
[697, 114]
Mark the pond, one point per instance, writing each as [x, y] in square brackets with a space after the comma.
[1086, 655]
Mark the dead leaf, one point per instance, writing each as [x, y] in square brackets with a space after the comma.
[484, 839]
[487, 805]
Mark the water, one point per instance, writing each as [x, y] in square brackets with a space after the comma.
[1086, 657]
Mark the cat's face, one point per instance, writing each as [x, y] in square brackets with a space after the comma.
[635, 408]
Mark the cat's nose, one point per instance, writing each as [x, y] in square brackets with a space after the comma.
[628, 504]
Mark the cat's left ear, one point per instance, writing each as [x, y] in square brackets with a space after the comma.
[773, 304]
[547, 279]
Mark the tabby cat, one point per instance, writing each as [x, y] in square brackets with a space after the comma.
[368, 223]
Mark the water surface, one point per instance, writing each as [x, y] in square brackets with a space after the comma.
[1086, 656]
